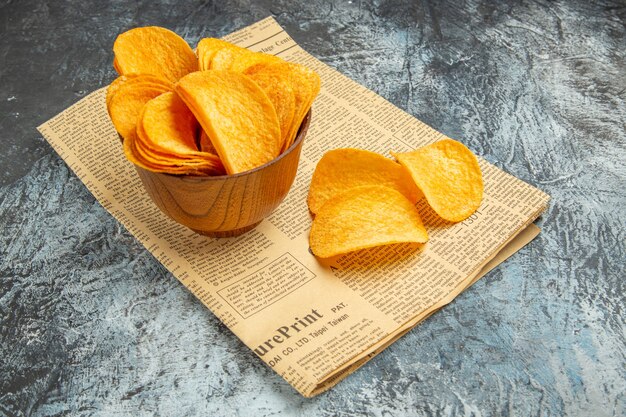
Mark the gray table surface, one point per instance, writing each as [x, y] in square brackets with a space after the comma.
[92, 324]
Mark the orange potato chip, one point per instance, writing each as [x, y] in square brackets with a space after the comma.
[448, 174]
[222, 55]
[136, 79]
[166, 135]
[237, 116]
[131, 152]
[309, 83]
[126, 103]
[169, 126]
[364, 217]
[156, 161]
[206, 49]
[280, 92]
[248, 60]
[342, 169]
[114, 86]
[153, 50]
[225, 56]
[205, 143]
[116, 66]
[135, 156]
[305, 83]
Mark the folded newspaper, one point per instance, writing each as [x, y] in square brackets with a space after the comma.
[313, 322]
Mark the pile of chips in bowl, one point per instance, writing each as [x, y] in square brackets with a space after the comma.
[220, 110]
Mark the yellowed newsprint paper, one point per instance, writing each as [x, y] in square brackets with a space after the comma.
[312, 322]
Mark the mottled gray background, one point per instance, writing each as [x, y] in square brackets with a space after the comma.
[90, 322]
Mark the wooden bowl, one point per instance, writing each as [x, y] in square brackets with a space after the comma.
[226, 205]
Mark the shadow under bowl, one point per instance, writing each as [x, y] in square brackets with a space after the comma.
[226, 205]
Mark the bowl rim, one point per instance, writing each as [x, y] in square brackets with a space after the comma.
[302, 130]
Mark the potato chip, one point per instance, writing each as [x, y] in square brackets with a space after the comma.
[153, 50]
[114, 86]
[364, 217]
[145, 80]
[249, 60]
[127, 101]
[169, 125]
[166, 136]
[305, 83]
[237, 116]
[309, 83]
[155, 156]
[153, 160]
[174, 163]
[342, 169]
[280, 92]
[224, 57]
[448, 174]
[206, 49]
[116, 66]
[134, 155]
[205, 143]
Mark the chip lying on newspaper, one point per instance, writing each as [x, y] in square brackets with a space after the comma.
[361, 199]
[448, 174]
[342, 169]
[364, 217]
[227, 110]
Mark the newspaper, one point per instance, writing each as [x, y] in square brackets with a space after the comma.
[313, 322]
